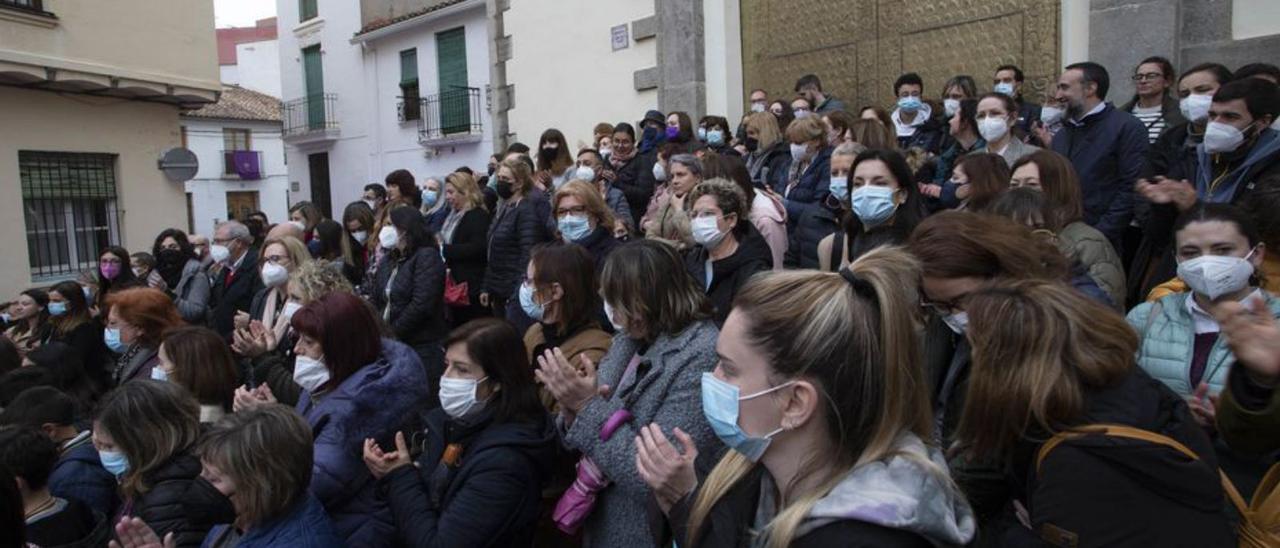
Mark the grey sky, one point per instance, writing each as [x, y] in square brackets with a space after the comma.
[241, 13]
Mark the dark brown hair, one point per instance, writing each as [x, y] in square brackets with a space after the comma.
[202, 364]
[574, 269]
[960, 244]
[150, 422]
[647, 285]
[1059, 182]
[497, 348]
[988, 176]
[267, 452]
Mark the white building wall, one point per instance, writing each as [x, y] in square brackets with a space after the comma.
[565, 72]
[209, 188]
[229, 74]
[258, 67]
[349, 165]
[395, 144]
[722, 45]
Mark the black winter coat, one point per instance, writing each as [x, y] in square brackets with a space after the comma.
[810, 191]
[512, 234]
[466, 257]
[161, 507]
[227, 299]
[1119, 492]
[814, 224]
[933, 136]
[635, 179]
[729, 524]
[416, 304]
[771, 162]
[599, 243]
[729, 274]
[490, 497]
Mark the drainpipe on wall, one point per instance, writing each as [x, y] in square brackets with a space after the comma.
[500, 92]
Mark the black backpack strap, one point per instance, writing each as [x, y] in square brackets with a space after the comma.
[837, 250]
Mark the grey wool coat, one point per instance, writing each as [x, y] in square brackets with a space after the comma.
[667, 390]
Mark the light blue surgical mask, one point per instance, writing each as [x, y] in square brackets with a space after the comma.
[873, 204]
[532, 309]
[115, 462]
[702, 134]
[58, 308]
[720, 403]
[158, 374]
[910, 103]
[1003, 87]
[111, 336]
[429, 198]
[839, 187]
[573, 227]
[715, 137]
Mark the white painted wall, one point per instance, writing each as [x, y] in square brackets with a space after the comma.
[258, 66]
[722, 41]
[565, 72]
[349, 162]
[1074, 32]
[209, 187]
[230, 74]
[1254, 18]
[395, 144]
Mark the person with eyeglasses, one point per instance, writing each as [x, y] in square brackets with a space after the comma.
[1152, 104]
[729, 249]
[582, 218]
[234, 277]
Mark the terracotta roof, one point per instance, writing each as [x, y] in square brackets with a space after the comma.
[230, 36]
[388, 21]
[238, 103]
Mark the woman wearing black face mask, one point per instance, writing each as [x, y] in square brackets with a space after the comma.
[554, 161]
[518, 224]
[767, 151]
[177, 263]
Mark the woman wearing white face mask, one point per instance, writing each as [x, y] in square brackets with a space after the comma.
[486, 452]
[817, 396]
[996, 116]
[1218, 253]
[730, 249]
[357, 224]
[356, 386]
[280, 257]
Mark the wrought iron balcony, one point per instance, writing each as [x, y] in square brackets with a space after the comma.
[315, 113]
[452, 116]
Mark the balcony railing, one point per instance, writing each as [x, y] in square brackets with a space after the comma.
[313, 113]
[248, 167]
[28, 5]
[451, 115]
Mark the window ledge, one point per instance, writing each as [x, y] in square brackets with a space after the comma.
[42, 19]
[309, 26]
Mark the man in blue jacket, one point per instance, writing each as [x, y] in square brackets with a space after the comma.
[1107, 146]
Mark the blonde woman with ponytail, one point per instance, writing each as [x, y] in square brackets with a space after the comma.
[819, 396]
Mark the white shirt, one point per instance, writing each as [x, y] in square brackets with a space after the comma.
[907, 130]
[1204, 322]
[1091, 112]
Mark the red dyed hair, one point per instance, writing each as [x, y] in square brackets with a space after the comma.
[147, 309]
[346, 329]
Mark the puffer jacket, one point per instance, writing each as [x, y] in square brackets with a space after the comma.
[729, 274]
[78, 475]
[415, 309]
[814, 224]
[303, 526]
[372, 403]
[770, 218]
[635, 180]
[764, 165]
[1167, 331]
[191, 296]
[161, 507]
[812, 187]
[1085, 244]
[514, 231]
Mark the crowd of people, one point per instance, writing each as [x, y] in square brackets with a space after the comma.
[967, 320]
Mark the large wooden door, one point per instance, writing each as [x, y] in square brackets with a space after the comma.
[859, 47]
[318, 165]
[241, 203]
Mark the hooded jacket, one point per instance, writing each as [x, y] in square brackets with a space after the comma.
[78, 475]
[415, 307]
[1112, 491]
[371, 403]
[897, 502]
[729, 274]
[490, 497]
[1237, 179]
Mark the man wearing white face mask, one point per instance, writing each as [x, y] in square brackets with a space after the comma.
[237, 281]
[730, 250]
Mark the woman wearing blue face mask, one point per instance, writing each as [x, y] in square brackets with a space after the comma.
[583, 218]
[71, 324]
[434, 208]
[1219, 252]
[884, 202]
[145, 433]
[714, 131]
[560, 293]
[138, 319]
[803, 182]
[818, 396]
[486, 453]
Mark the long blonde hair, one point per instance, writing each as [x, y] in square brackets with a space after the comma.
[854, 335]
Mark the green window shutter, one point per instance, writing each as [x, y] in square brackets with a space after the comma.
[313, 72]
[455, 98]
[307, 10]
[409, 66]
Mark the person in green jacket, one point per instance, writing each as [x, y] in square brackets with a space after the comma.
[1249, 411]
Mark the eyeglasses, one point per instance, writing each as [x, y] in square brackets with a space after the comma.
[575, 210]
[277, 259]
[1147, 76]
[943, 308]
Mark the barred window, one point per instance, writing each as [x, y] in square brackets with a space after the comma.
[69, 201]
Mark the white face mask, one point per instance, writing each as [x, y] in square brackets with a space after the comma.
[219, 253]
[1215, 275]
[993, 128]
[706, 232]
[659, 172]
[952, 106]
[1051, 115]
[958, 322]
[458, 397]
[373, 204]
[309, 373]
[360, 236]
[585, 173]
[388, 238]
[299, 224]
[757, 107]
[1220, 137]
[289, 309]
[608, 312]
[798, 151]
[274, 275]
[1195, 107]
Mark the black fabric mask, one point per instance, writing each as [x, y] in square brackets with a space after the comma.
[205, 506]
[752, 144]
[169, 264]
[504, 190]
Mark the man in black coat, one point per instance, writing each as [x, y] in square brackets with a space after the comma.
[234, 279]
